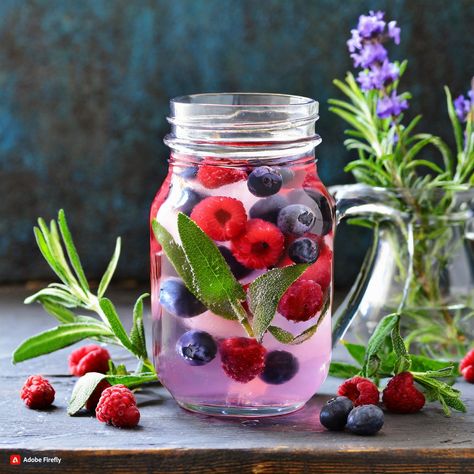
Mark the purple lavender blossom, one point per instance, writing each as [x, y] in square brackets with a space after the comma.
[394, 31]
[379, 77]
[370, 54]
[463, 106]
[371, 25]
[391, 106]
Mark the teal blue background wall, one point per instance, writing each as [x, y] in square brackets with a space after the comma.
[84, 89]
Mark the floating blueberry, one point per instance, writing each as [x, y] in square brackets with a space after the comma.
[264, 181]
[239, 270]
[178, 300]
[295, 219]
[303, 250]
[280, 366]
[325, 208]
[196, 347]
[365, 420]
[268, 208]
[333, 415]
[188, 199]
[189, 172]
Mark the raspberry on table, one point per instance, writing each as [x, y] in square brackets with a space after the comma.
[360, 391]
[301, 301]
[93, 400]
[466, 367]
[37, 392]
[260, 246]
[220, 217]
[91, 358]
[242, 358]
[401, 395]
[212, 175]
[117, 406]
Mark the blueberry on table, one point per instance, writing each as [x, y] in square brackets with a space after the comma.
[333, 415]
[365, 420]
[264, 181]
[188, 199]
[280, 366]
[303, 250]
[295, 219]
[325, 208]
[268, 208]
[178, 300]
[196, 347]
[239, 270]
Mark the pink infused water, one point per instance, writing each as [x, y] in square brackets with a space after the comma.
[261, 215]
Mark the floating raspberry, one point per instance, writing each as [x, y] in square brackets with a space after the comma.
[37, 392]
[466, 367]
[91, 358]
[260, 246]
[321, 270]
[401, 395]
[117, 406]
[242, 358]
[214, 176]
[360, 390]
[302, 300]
[221, 218]
[93, 400]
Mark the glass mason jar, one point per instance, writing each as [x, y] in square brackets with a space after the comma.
[420, 264]
[242, 167]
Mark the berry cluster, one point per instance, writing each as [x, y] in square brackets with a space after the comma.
[466, 367]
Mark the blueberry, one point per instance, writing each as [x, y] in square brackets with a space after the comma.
[280, 366]
[189, 172]
[268, 208]
[296, 219]
[178, 300]
[333, 415]
[188, 199]
[303, 250]
[239, 270]
[196, 347]
[365, 420]
[264, 181]
[325, 208]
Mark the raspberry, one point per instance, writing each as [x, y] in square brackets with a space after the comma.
[242, 358]
[466, 367]
[37, 392]
[301, 301]
[221, 218]
[360, 390]
[212, 176]
[401, 395]
[260, 246]
[321, 270]
[117, 406]
[91, 358]
[93, 400]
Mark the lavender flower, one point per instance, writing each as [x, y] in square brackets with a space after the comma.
[394, 31]
[391, 106]
[463, 106]
[371, 25]
[379, 77]
[370, 54]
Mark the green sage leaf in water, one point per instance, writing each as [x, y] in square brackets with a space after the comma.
[83, 390]
[57, 338]
[265, 293]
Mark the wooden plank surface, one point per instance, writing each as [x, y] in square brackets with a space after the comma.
[170, 440]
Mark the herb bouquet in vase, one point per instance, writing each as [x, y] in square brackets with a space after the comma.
[418, 197]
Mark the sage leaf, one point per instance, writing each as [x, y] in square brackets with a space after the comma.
[116, 325]
[71, 250]
[132, 380]
[137, 334]
[213, 280]
[403, 362]
[57, 338]
[265, 293]
[342, 370]
[62, 314]
[109, 272]
[357, 351]
[82, 390]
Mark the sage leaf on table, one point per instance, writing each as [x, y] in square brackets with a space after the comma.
[265, 293]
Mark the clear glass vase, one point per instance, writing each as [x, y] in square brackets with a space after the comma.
[250, 156]
[420, 263]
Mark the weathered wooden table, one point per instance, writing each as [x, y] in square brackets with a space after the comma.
[170, 440]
